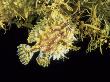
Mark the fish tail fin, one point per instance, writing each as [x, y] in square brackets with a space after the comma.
[24, 53]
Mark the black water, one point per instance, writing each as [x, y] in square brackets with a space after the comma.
[79, 67]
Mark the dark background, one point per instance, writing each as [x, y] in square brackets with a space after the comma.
[79, 67]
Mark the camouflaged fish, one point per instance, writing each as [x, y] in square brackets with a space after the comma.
[53, 37]
[52, 40]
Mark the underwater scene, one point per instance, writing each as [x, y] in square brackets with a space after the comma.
[54, 39]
